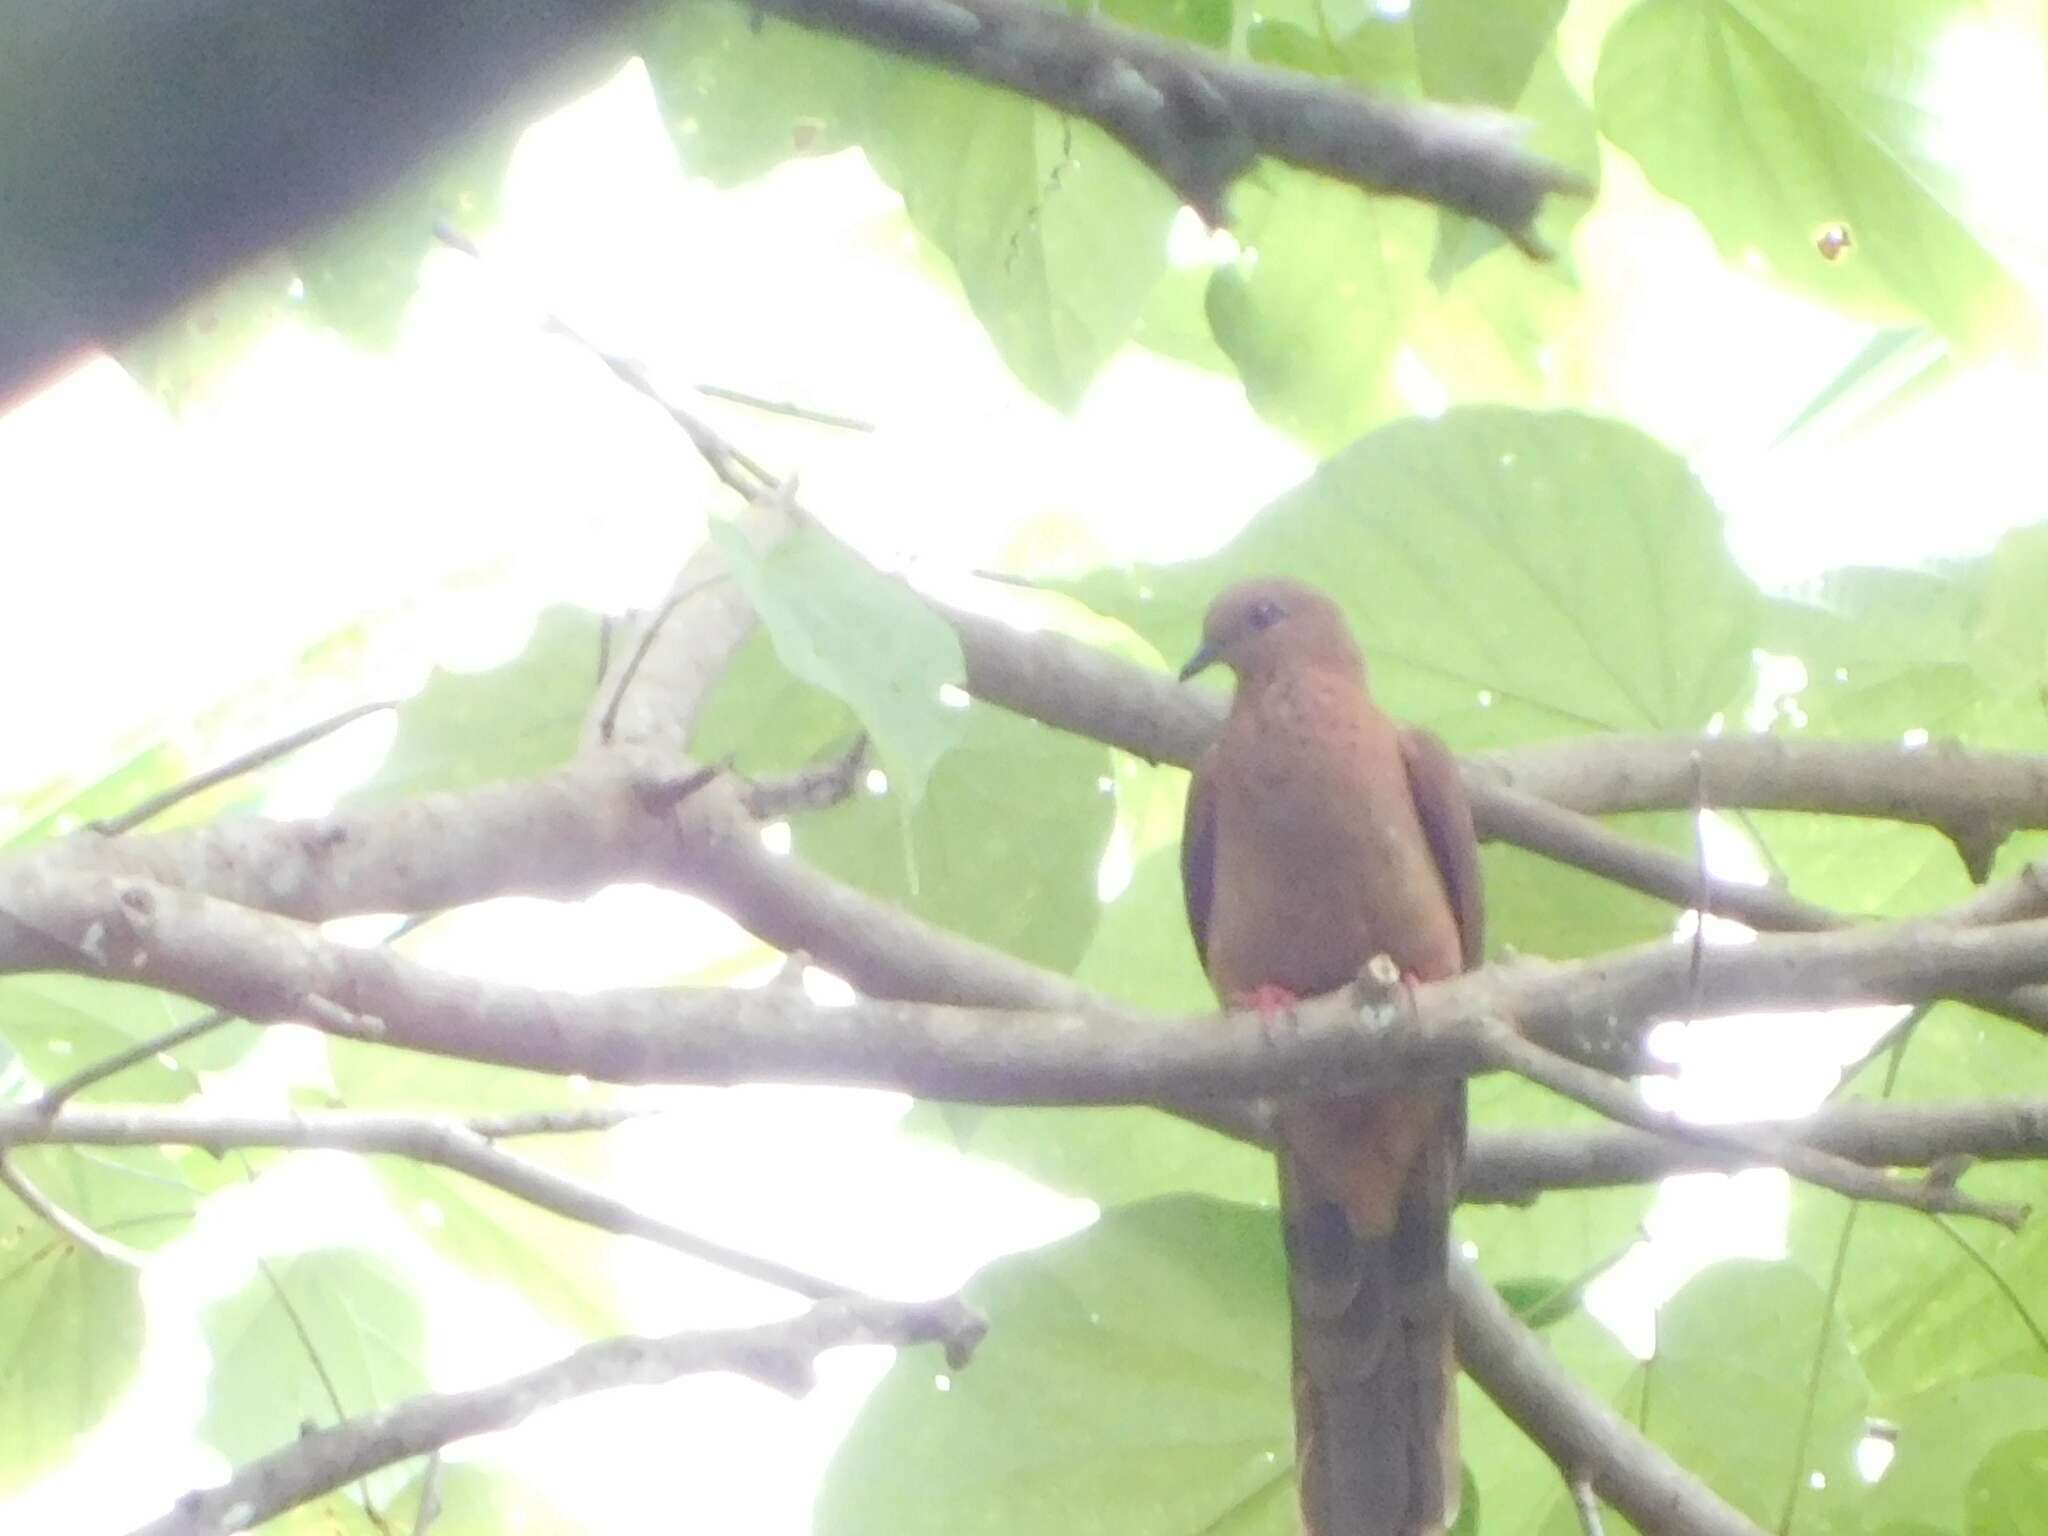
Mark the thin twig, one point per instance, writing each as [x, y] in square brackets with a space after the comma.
[732, 466]
[58, 1094]
[785, 408]
[95, 1243]
[579, 1202]
[1893, 1038]
[55, 1096]
[233, 768]
[326, 1377]
[1999, 1283]
[1803, 1437]
[740, 472]
[429, 1508]
[811, 789]
[609, 722]
[1587, 1504]
[1701, 893]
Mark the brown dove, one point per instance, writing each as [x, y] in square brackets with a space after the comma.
[1321, 835]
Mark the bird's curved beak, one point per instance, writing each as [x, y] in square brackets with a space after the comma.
[1203, 659]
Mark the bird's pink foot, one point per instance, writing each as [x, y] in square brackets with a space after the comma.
[1409, 982]
[1265, 1000]
[1274, 1006]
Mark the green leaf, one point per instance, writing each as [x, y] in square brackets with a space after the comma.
[565, 1268]
[178, 358]
[766, 719]
[1143, 953]
[515, 721]
[71, 1323]
[1057, 234]
[1894, 368]
[338, 1514]
[1568, 1232]
[1546, 908]
[1175, 322]
[1962, 1452]
[844, 626]
[71, 1332]
[1513, 575]
[336, 1319]
[62, 807]
[136, 1195]
[1013, 796]
[1481, 50]
[2004, 1496]
[1751, 1408]
[1497, 339]
[1134, 1380]
[741, 91]
[481, 1500]
[1517, 1483]
[1114, 1157]
[1777, 121]
[1942, 650]
[55, 809]
[1003, 847]
[1926, 1303]
[1931, 1302]
[61, 1024]
[1315, 311]
[1206, 23]
[1319, 306]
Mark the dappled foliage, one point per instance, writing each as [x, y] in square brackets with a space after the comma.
[1520, 566]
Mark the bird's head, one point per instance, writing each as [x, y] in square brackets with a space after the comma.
[1256, 628]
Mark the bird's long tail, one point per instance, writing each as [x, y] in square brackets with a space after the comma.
[1375, 1401]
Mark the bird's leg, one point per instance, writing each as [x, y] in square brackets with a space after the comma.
[1273, 1004]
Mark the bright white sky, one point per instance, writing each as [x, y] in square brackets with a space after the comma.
[484, 468]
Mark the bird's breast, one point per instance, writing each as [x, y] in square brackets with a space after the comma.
[1321, 862]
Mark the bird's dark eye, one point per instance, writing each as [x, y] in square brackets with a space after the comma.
[1266, 615]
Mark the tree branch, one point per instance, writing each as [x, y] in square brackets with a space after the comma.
[1512, 1166]
[779, 1355]
[1200, 120]
[1976, 798]
[265, 968]
[1073, 686]
[1589, 1441]
[234, 768]
[601, 820]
